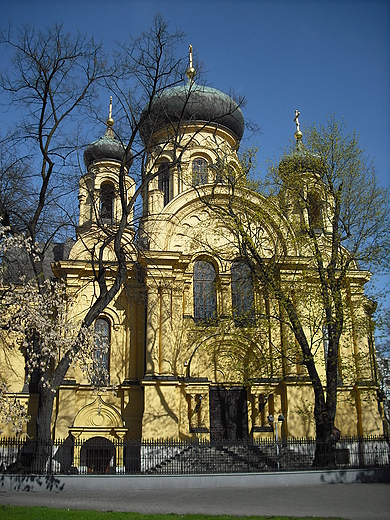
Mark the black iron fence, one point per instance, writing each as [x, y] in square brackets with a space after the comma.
[177, 457]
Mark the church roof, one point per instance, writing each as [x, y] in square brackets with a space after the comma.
[192, 103]
[107, 147]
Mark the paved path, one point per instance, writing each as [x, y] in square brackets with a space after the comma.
[351, 501]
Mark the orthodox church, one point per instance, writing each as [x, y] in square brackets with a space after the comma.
[192, 352]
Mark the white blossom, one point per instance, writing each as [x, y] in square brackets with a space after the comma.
[39, 319]
[11, 410]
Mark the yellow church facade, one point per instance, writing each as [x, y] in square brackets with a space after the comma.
[193, 352]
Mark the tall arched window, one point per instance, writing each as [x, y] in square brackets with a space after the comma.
[242, 293]
[163, 181]
[205, 299]
[102, 353]
[199, 171]
[107, 196]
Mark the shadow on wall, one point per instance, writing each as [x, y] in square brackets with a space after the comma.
[21, 456]
[368, 476]
[31, 483]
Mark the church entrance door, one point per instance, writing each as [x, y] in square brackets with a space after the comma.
[228, 414]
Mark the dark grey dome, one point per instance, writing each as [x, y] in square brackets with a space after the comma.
[107, 147]
[193, 103]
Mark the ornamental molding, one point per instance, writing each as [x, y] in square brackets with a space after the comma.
[98, 418]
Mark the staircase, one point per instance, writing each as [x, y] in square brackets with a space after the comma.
[229, 458]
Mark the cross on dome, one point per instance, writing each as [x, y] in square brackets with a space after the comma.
[298, 134]
[190, 72]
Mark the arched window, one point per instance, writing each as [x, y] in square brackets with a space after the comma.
[163, 181]
[107, 196]
[205, 300]
[102, 353]
[199, 171]
[242, 293]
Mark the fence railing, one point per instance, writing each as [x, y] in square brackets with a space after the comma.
[178, 457]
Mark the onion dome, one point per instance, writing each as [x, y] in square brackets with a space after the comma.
[192, 103]
[107, 147]
[300, 160]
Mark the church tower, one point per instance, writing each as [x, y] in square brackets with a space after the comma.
[190, 131]
[304, 195]
[99, 198]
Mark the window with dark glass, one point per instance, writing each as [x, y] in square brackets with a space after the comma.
[205, 300]
[102, 353]
[199, 172]
[242, 293]
[163, 181]
[107, 195]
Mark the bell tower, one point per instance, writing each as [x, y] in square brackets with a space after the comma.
[99, 201]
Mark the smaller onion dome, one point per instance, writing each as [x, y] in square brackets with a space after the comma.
[107, 147]
[300, 160]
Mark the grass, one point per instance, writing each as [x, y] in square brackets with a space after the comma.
[46, 513]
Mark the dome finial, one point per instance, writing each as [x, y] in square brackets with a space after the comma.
[110, 122]
[190, 72]
[298, 134]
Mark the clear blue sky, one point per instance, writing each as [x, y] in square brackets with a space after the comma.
[321, 57]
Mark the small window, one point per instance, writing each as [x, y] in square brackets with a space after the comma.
[199, 172]
[242, 293]
[107, 196]
[163, 181]
[102, 353]
[205, 300]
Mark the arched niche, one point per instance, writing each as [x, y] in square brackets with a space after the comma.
[98, 419]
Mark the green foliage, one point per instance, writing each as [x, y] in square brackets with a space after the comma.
[347, 176]
[44, 513]
[307, 234]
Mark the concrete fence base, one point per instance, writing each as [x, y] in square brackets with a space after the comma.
[58, 483]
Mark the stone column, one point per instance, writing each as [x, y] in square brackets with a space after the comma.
[119, 455]
[152, 330]
[226, 295]
[165, 337]
[198, 409]
[155, 201]
[84, 201]
[262, 407]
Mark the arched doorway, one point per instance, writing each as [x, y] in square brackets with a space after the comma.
[98, 456]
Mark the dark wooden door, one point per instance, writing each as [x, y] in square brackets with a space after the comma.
[228, 414]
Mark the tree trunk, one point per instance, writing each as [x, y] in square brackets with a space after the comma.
[43, 442]
[326, 438]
